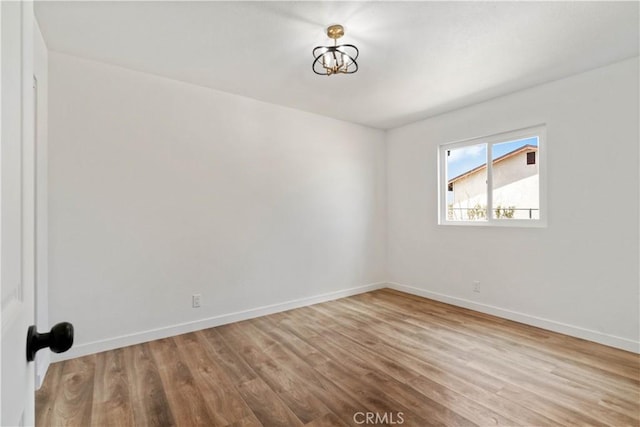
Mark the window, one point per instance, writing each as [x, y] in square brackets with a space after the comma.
[506, 191]
[531, 158]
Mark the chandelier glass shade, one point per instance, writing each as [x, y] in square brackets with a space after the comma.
[336, 59]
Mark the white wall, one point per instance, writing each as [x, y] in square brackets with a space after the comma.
[40, 66]
[161, 189]
[580, 274]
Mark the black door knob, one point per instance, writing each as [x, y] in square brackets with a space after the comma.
[59, 339]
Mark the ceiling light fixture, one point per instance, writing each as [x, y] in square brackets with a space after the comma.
[329, 60]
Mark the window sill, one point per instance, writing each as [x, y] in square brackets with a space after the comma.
[496, 223]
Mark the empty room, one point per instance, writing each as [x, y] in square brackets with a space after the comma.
[318, 213]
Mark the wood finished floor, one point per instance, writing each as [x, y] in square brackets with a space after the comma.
[384, 352]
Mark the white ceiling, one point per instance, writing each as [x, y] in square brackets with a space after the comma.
[417, 59]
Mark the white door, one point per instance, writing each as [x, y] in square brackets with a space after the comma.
[17, 216]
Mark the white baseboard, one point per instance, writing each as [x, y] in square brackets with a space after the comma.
[43, 360]
[183, 328]
[551, 325]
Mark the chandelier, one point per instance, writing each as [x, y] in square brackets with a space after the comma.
[336, 59]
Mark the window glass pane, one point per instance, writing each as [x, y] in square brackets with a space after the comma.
[516, 179]
[467, 183]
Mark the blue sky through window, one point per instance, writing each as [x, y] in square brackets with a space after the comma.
[461, 160]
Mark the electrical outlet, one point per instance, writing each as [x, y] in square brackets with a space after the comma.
[195, 300]
[476, 286]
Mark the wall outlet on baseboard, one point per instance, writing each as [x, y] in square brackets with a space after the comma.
[476, 286]
[195, 300]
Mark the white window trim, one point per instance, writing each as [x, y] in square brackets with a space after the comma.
[538, 130]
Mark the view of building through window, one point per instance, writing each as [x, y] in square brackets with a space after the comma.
[514, 178]
[467, 183]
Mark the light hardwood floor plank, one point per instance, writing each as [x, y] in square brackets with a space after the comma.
[187, 403]
[148, 398]
[47, 395]
[111, 400]
[277, 368]
[74, 396]
[225, 403]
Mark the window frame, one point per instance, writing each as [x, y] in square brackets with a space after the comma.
[539, 131]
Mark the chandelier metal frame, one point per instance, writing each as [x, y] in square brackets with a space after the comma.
[336, 59]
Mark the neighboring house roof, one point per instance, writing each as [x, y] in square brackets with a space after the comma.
[523, 149]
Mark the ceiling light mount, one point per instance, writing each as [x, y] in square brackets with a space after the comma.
[336, 59]
[335, 32]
